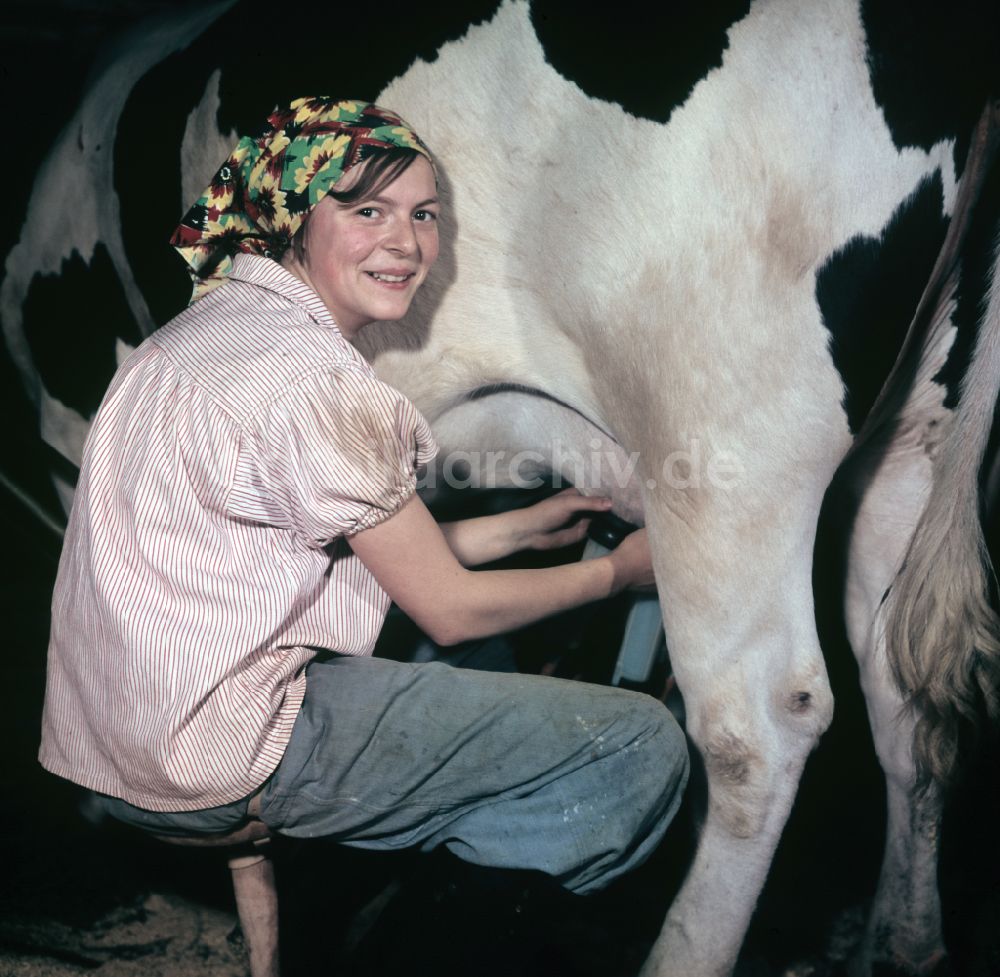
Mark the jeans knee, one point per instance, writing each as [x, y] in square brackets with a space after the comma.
[655, 757]
[658, 726]
[642, 784]
[666, 762]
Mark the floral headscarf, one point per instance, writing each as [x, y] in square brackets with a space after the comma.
[263, 192]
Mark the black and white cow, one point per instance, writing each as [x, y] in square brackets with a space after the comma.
[691, 242]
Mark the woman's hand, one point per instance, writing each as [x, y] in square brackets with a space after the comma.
[632, 562]
[557, 521]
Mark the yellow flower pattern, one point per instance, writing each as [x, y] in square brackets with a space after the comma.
[325, 110]
[320, 154]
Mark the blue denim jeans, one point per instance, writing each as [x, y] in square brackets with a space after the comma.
[506, 770]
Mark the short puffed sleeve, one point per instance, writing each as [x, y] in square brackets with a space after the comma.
[336, 454]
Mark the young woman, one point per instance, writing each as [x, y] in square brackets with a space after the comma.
[247, 510]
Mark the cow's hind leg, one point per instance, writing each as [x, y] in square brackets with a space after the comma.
[918, 571]
[904, 927]
[903, 935]
[741, 629]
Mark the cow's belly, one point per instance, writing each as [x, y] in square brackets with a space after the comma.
[517, 439]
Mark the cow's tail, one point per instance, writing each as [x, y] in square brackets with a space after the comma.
[941, 630]
[942, 633]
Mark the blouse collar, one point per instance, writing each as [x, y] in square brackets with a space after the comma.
[266, 273]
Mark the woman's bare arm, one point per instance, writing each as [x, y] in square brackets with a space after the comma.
[557, 521]
[411, 560]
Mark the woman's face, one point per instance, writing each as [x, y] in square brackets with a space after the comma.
[367, 259]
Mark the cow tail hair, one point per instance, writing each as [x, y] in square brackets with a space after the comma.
[942, 632]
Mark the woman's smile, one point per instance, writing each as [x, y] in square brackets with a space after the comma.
[391, 277]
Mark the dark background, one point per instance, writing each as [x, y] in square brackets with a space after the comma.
[62, 874]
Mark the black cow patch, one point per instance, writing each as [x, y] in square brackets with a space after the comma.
[933, 65]
[148, 183]
[976, 272]
[646, 57]
[869, 289]
[71, 321]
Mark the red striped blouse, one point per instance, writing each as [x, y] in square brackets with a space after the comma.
[205, 558]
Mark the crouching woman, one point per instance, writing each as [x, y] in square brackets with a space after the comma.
[245, 514]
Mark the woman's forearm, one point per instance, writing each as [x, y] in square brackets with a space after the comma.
[410, 558]
[485, 538]
[479, 604]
